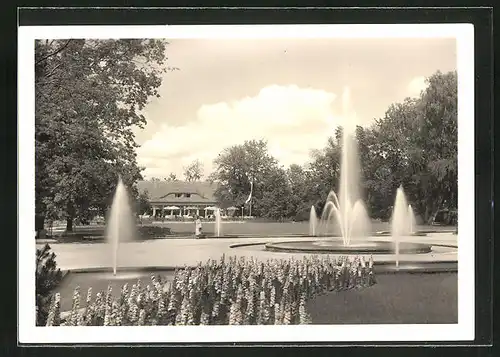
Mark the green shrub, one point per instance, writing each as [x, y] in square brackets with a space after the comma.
[153, 231]
[48, 276]
[229, 291]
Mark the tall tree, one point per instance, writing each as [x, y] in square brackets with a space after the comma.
[324, 174]
[89, 96]
[193, 171]
[438, 140]
[171, 177]
[297, 181]
[415, 145]
[143, 204]
[236, 167]
[275, 199]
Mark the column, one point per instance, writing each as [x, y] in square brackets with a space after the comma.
[198, 212]
[154, 211]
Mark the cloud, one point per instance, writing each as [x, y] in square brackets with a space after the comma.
[293, 120]
[416, 85]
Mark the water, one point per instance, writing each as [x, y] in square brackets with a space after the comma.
[217, 223]
[347, 209]
[411, 217]
[313, 222]
[120, 226]
[402, 221]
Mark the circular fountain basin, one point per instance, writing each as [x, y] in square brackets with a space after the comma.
[337, 247]
[413, 234]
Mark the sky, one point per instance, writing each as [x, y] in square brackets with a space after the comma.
[286, 91]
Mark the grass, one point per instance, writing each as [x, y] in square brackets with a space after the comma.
[395, 299]
[88, 234]
[247, 228]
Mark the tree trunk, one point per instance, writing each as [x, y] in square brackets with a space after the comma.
[427, 216]
[69, 224]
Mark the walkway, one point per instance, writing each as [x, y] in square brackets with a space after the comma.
[189, 251]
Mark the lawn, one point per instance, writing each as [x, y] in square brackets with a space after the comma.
[395, 299]
[236, 228]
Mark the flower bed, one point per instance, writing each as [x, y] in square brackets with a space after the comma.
[229, 291]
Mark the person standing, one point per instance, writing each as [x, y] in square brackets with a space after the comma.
[197, 227]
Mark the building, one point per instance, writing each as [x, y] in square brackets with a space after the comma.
[180, 198]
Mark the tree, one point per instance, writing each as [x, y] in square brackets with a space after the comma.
[89, 95]
[324, 172]
[274, 201]
[437, 175]
[415, 145]
[47, 277]
[236, 167]
[378, 175]
[194, 171]
[171, 177]
[304, 191]
[143, 205]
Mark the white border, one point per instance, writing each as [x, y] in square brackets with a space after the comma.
[464, 330]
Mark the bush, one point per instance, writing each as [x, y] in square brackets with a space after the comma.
[232, 291]
[303, 215]
[48, 276]
[153, 231]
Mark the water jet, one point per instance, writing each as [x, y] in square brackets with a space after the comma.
[121, 224]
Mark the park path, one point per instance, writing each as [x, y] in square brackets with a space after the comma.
[189, 251]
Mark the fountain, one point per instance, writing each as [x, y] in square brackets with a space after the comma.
[399, 220]
[313, 222]
[348, 211]
[121, 225]
[402, 221]
[411, 218]
[217, 222]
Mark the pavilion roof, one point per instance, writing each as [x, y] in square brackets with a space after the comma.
[202, 192]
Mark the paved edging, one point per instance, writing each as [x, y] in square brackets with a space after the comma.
[240, 245]
[126, 269]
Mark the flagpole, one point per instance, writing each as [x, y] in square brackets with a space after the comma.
[249, 199]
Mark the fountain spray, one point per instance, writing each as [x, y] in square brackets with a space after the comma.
[121, 224]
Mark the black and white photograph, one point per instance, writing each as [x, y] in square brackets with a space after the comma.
[231, 183]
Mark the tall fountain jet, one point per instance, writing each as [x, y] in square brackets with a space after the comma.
[313, 222]
[411, 219]
[403, 220]
[217, 223]
[121, 224]
[347, 209]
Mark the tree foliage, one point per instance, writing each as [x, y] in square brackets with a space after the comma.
[89, 97]
[171, 177]
[236, 167]
[414, 145]
[143, 204]
[47, 277]
[193, 171]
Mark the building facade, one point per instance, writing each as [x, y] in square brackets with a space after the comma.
[172, 199]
